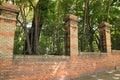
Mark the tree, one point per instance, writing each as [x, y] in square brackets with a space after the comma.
[40, 11]
[47, 32]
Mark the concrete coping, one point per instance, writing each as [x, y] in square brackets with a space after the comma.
[92, 54]
[2, 17]
[104, 24]
[40, 58]
[9, 7]
[71, 17]
[116, 51]
[55, 57]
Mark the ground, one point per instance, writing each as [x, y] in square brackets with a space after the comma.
[106, 75]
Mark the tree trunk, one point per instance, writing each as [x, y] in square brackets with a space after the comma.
[35, 33]
[91, 40]
[91, 34]
[108, 9]
[58, 32]
[27, 48]
[84, 25]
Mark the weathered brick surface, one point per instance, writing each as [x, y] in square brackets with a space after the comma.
[7, 27]
[105, 39]
[61, 68]
[6, 40]
[8, 13]
[10, 6]
[71, 27]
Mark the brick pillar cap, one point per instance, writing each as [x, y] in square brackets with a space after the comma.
[104, 24]
[9, 7]
[71, 17]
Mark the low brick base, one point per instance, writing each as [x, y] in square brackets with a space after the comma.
[57, 68]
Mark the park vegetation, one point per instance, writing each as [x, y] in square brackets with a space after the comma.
[41, 28]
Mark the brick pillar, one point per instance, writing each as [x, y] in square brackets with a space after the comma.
[8, 13]
[71, 27]
[105, 38]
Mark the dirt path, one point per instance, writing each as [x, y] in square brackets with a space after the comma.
[107, 75]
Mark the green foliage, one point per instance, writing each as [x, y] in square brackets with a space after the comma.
[19, 40]
[48, 10]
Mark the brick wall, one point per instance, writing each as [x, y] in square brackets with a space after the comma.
[8, 13]
[56, 67]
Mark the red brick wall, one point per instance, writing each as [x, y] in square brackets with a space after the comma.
[8, 13]
[56, 67]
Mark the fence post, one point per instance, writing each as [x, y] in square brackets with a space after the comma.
[105, 38]
[8, 14]
[71, 27]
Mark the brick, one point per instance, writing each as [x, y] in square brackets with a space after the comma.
[8, 16]
[7, 34]
[6, 48]
[105, 36]
[72, 36]
[7, 20]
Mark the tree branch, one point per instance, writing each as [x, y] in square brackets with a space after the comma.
[31, 3]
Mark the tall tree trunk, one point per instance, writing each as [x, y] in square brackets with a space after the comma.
[27, 48]
[97, 40]
[84, 25]
[108, 9]
[91, 49]
[35, 30]
[35, 33]
[91, 34]
[58, 29]
[35, 43]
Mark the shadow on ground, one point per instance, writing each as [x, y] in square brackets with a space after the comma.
[106, 75]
